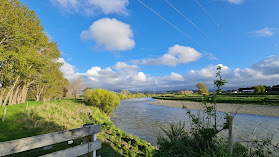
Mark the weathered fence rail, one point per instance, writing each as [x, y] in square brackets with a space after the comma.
[29, 143]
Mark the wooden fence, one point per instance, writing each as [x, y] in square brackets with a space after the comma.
[29, 143]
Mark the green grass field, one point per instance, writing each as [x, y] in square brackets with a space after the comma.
[40, 118]
[232, 98]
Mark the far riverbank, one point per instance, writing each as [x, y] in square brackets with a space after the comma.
[263, 110]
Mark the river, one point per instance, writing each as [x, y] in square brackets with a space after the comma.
[139, 118]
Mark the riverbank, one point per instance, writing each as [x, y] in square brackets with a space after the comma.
[40, 118]
[264, 110]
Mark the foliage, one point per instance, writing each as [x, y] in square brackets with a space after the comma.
[220, 82]
[28, 58]
[259, 88]
[186, 144]
[201, 139]
[105, 100]
[126, 95]
[202, 88]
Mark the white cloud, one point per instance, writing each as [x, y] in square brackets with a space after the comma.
[111, 34]
[67, 69]
[140, 77]
[91, 7]
[176, 55]
[209, 71]
[126, 76]
[131, 69]
[176, 76]
[235, 1]
[265, 32]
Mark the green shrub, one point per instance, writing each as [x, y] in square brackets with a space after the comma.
[105, 100]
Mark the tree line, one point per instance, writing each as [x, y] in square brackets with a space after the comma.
[28, 59]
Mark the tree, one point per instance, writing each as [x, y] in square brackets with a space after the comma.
[106, 100]
[219, 83]
[27, 59]
[21, 39]
[202, 88]
[67, 89]
[77, 85]
[125, 92]
[259, 88]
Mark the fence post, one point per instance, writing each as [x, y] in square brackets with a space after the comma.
[230, 138]
[93, 138]
[4, 114]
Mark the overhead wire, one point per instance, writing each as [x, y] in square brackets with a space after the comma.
[186, 18]
[169, 22]
[214, 20]
[213, 42]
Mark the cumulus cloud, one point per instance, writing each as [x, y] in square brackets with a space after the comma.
[130, 77]
[176, 76]
[208, 71]
[176, 55]
[67, 69]
[140, 77]
[91, 7]
[111, 34]
[119, 76]
[265, 32]
[131, 69]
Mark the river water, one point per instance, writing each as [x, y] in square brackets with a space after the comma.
[139, 118]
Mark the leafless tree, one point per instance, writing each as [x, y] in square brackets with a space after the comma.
[125, 92]
[77, 85]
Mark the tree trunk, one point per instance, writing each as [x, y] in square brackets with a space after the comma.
[2, 94]
[39, 92]
[10, 91]
[24, 95]
[25, 91]
[11, 99]
[37, 97]
[21, 94]
[15, 96]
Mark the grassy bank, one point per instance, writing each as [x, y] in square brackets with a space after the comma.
[40, 118]
[262, 99]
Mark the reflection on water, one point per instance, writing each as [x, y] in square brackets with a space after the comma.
[137, 117]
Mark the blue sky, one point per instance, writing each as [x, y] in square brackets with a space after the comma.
[121, 44]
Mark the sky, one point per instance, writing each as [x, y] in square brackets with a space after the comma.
[144, 45]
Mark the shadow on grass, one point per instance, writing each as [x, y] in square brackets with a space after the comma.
[107, 150]
[24, 125]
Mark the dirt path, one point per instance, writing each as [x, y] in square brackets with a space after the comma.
[264, 110]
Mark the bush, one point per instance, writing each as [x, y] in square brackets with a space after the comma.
[105, 100]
